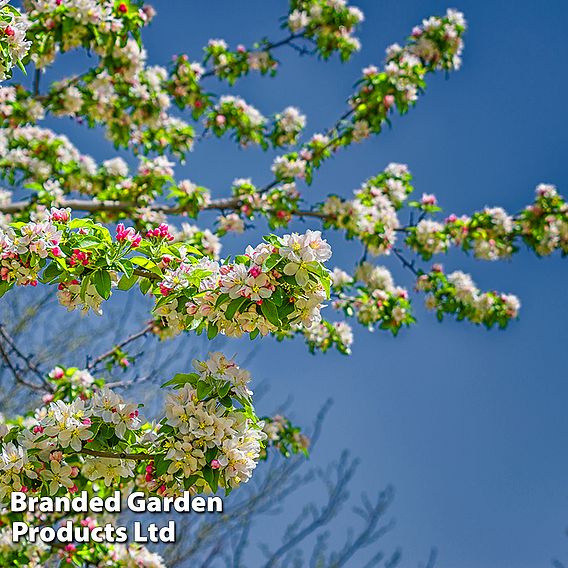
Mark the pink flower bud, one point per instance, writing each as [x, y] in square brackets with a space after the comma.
[215, 464]
[57, 373]
[255, 271]
[388, 101]
[428, 199]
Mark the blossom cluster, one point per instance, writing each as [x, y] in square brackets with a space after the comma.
[456, 294]
[277, 204]
[284, 436]
[208, 437]
[132, 105]
[235, 114]
[274, 286]
[230, 64]
[13, 43]
[131, 100]
[371, 216]
[372, 297]
[95, 25]
[493, 234]
[328, 23]
[279, 283]
[544, 225]
[326, 335]
[17, 107]
[435, 45]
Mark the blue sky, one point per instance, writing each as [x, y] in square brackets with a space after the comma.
[470, 426]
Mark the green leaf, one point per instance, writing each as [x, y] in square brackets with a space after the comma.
[212, 331]
[80, 223]
[189, 481]
[161, 465]
[147, 264]
[52, 271]
[221, 300]
[125, 283]
[4, 287]
[272, 261]
[181, 379]
[203, 390]
[145, 285]
[84, 284]
[125, 266]
[278, 296]
[212, 477]
[192, 250]
[234, 307]
[226, 402]
[102, 282]
[223, 391]
[270, 312]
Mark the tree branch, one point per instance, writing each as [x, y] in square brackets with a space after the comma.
[141, 333]
[16, 372]
[120, 456]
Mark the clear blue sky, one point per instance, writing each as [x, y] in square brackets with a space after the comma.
[470, 426]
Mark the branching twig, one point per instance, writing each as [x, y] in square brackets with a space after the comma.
[16, 372]
[141, 333]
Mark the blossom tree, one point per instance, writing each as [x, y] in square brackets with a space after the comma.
[94, 230]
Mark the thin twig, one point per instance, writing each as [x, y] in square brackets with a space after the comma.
[37, 77]
[406, 263]
[26, 358]
[141, 333]
[16, 372]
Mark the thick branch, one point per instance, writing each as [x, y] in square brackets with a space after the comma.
[94, 206]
